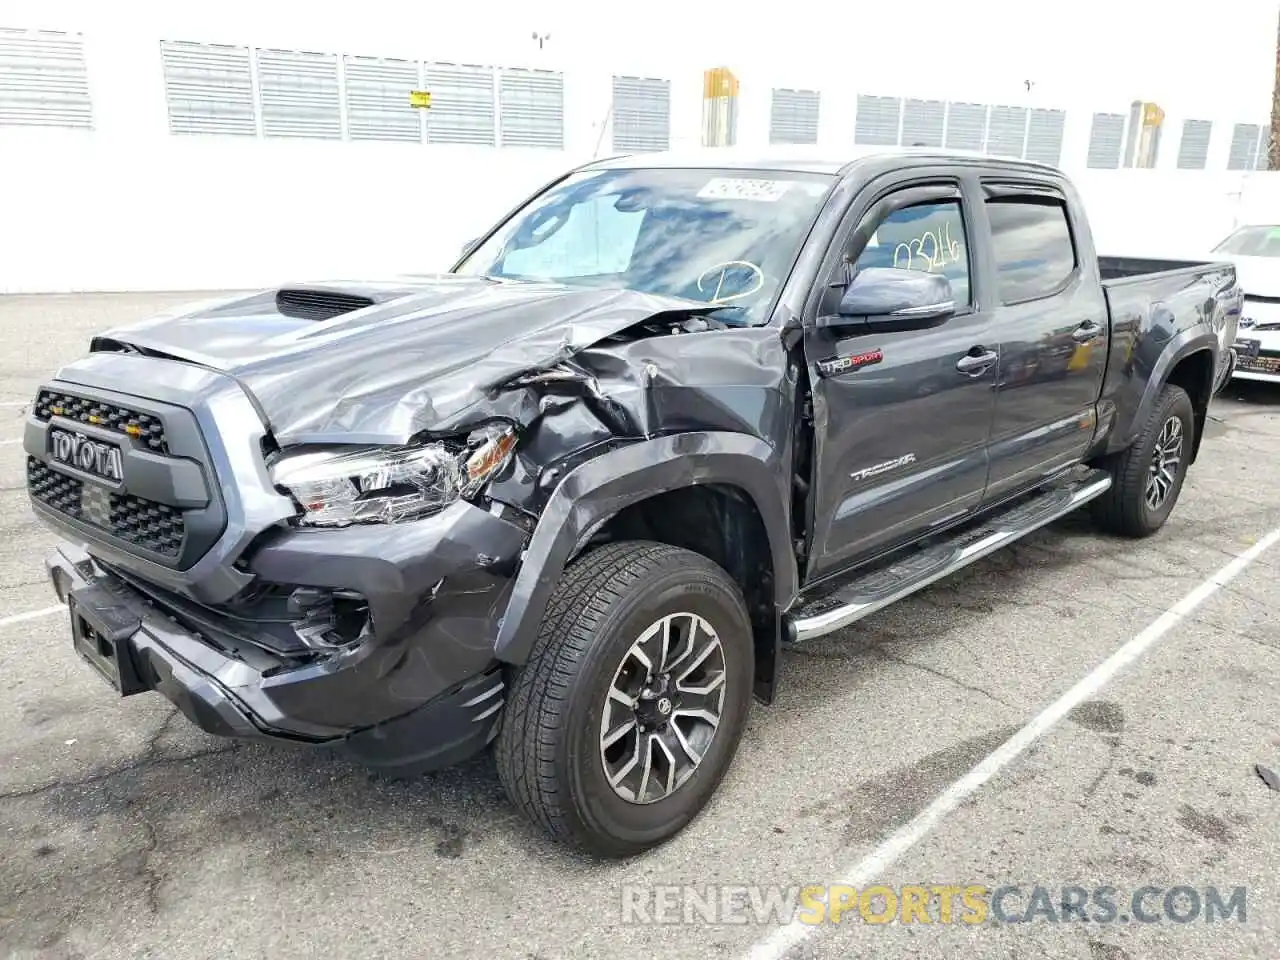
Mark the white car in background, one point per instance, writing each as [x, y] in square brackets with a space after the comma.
[1255, 250]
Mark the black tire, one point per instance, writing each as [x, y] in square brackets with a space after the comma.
[1124, 509]
[549, 751]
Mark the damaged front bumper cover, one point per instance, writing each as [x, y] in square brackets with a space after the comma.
[137, 648]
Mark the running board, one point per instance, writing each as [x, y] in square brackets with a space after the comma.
[876, 590]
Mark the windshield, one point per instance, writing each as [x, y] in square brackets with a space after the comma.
[717, 237]
[1256, 241]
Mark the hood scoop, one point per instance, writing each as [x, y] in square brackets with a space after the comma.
[318, 303]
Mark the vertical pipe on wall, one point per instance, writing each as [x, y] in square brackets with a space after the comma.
[719, 107]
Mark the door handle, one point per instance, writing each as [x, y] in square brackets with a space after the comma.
[974, 364]
[1086, 331]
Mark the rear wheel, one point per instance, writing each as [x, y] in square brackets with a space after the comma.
[629, 711]
[1147, 477]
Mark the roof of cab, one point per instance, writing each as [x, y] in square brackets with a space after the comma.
[806, 159]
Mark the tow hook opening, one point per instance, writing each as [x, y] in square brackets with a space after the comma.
[329, 620]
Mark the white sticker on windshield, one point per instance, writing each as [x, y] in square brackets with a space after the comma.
[812, 188]
[736, 188]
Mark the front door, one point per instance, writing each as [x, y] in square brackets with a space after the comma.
[901, 420]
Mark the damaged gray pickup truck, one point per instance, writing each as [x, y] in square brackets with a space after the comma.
[573, 497]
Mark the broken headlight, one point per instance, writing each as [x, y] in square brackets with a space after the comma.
[392, 484]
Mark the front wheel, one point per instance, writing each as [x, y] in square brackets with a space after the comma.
[1148, 476]
[629, 711]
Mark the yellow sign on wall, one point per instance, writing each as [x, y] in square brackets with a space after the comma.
[719, 82]
[420, 99]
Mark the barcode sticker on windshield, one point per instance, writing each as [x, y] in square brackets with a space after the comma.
[735, 188]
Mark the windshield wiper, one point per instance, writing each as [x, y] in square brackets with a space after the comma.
[734, 309]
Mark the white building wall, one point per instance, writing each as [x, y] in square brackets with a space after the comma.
[129, 206]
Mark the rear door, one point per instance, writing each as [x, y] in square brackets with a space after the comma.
[900, 430]
[1050, 318]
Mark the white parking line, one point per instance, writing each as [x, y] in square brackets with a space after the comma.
[14, 403]
[30, 615]
[5, 442]
[857, 875]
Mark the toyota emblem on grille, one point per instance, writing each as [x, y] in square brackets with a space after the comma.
[77, 450]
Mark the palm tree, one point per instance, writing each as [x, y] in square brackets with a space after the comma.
[1273, 148]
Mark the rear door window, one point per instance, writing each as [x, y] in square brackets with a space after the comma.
[1034, 251]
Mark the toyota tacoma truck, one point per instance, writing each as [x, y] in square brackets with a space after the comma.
[573, 497]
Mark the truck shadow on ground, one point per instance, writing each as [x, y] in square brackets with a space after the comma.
[1251, 392]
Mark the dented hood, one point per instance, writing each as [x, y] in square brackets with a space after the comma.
[407, 356]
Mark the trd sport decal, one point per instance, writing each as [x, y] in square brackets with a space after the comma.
[829, 368]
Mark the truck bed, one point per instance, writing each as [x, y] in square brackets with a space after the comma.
[1132, 284]
[1145, 294]
[1113, 269]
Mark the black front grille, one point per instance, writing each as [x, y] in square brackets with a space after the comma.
[144, 426]
[156, 527]
[318, 304]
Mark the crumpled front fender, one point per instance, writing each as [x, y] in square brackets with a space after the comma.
[601, 488]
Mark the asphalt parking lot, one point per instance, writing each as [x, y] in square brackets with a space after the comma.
[124, 832]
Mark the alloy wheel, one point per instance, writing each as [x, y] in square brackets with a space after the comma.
[663, 708]
[1166, 459]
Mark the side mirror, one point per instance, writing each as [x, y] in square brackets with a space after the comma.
[884, 298]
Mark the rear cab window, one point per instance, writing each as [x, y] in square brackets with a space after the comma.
[1034, 252]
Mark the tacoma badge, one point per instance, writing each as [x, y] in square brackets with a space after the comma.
[885, 467]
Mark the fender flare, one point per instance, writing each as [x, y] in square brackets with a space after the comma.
[597, 490]
[1174, 352]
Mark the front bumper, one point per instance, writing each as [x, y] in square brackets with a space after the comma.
[1257, 353]
[1256, 376]
[228, 696]
[191, 564]
[1261, 369]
